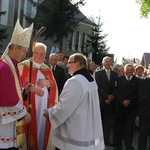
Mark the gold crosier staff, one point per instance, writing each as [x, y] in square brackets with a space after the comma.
[38, 33]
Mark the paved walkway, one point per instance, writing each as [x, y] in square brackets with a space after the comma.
[135, 142]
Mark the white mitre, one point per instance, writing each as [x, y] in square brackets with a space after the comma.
[20, 36]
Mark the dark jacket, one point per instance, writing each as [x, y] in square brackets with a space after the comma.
[144, 97]
[105, 87]
[127, 90]
[60, 77]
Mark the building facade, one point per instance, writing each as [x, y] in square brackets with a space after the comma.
[76, 42]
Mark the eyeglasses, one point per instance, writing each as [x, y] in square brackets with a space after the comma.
[40, 54]
[71, 62]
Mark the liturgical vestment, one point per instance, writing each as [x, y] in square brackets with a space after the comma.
[76, 118]
[11, 104]
[40, 128]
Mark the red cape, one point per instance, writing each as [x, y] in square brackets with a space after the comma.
[51, 102]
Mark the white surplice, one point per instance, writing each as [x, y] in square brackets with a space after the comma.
[76, 118]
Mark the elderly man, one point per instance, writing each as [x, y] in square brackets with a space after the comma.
[13, 113]
[127, 89]
[76, 117]
[58, 72]
[45, 96]
[105, 79]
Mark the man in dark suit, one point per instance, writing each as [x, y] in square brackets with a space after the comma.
[105, 79]
[126, 108]
[58, 72]
[144, 114]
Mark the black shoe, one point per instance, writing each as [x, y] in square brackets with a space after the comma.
[116, 148]
[108, 143]
[131, 148]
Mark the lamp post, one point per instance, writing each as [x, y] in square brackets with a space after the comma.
[90, 51]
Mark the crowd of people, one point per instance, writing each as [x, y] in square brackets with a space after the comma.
[67, 103]
[124, 104]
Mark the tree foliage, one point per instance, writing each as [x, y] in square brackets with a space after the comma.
[98, 42]
[145, 7]
[3, 34]
[58, 16]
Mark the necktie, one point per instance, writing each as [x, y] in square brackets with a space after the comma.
[108, 75]
[53, 69]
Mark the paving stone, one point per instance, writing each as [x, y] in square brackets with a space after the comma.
[134, 143]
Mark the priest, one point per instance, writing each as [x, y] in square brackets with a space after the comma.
[76, 118]
[44, 96]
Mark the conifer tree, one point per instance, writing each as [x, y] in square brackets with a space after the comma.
[58, 16]
[98, 43]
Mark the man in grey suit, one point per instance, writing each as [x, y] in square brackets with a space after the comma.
[105, 79]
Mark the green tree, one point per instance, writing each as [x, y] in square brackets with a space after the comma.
[145, 7]
[98, 42]
[3, 34]
[59, 18]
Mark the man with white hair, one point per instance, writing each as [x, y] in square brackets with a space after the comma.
[13, 114]
[105, 79]
[127, 96]
[45, 96]
[58, 72]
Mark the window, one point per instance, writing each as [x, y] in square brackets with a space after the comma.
[70, 40]
[77, 40]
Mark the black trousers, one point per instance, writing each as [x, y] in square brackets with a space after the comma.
[12, 148]
[123, 129]
[107, 119]
[144, 133]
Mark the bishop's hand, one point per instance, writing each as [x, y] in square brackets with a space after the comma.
[39, 91]
[43, 83]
